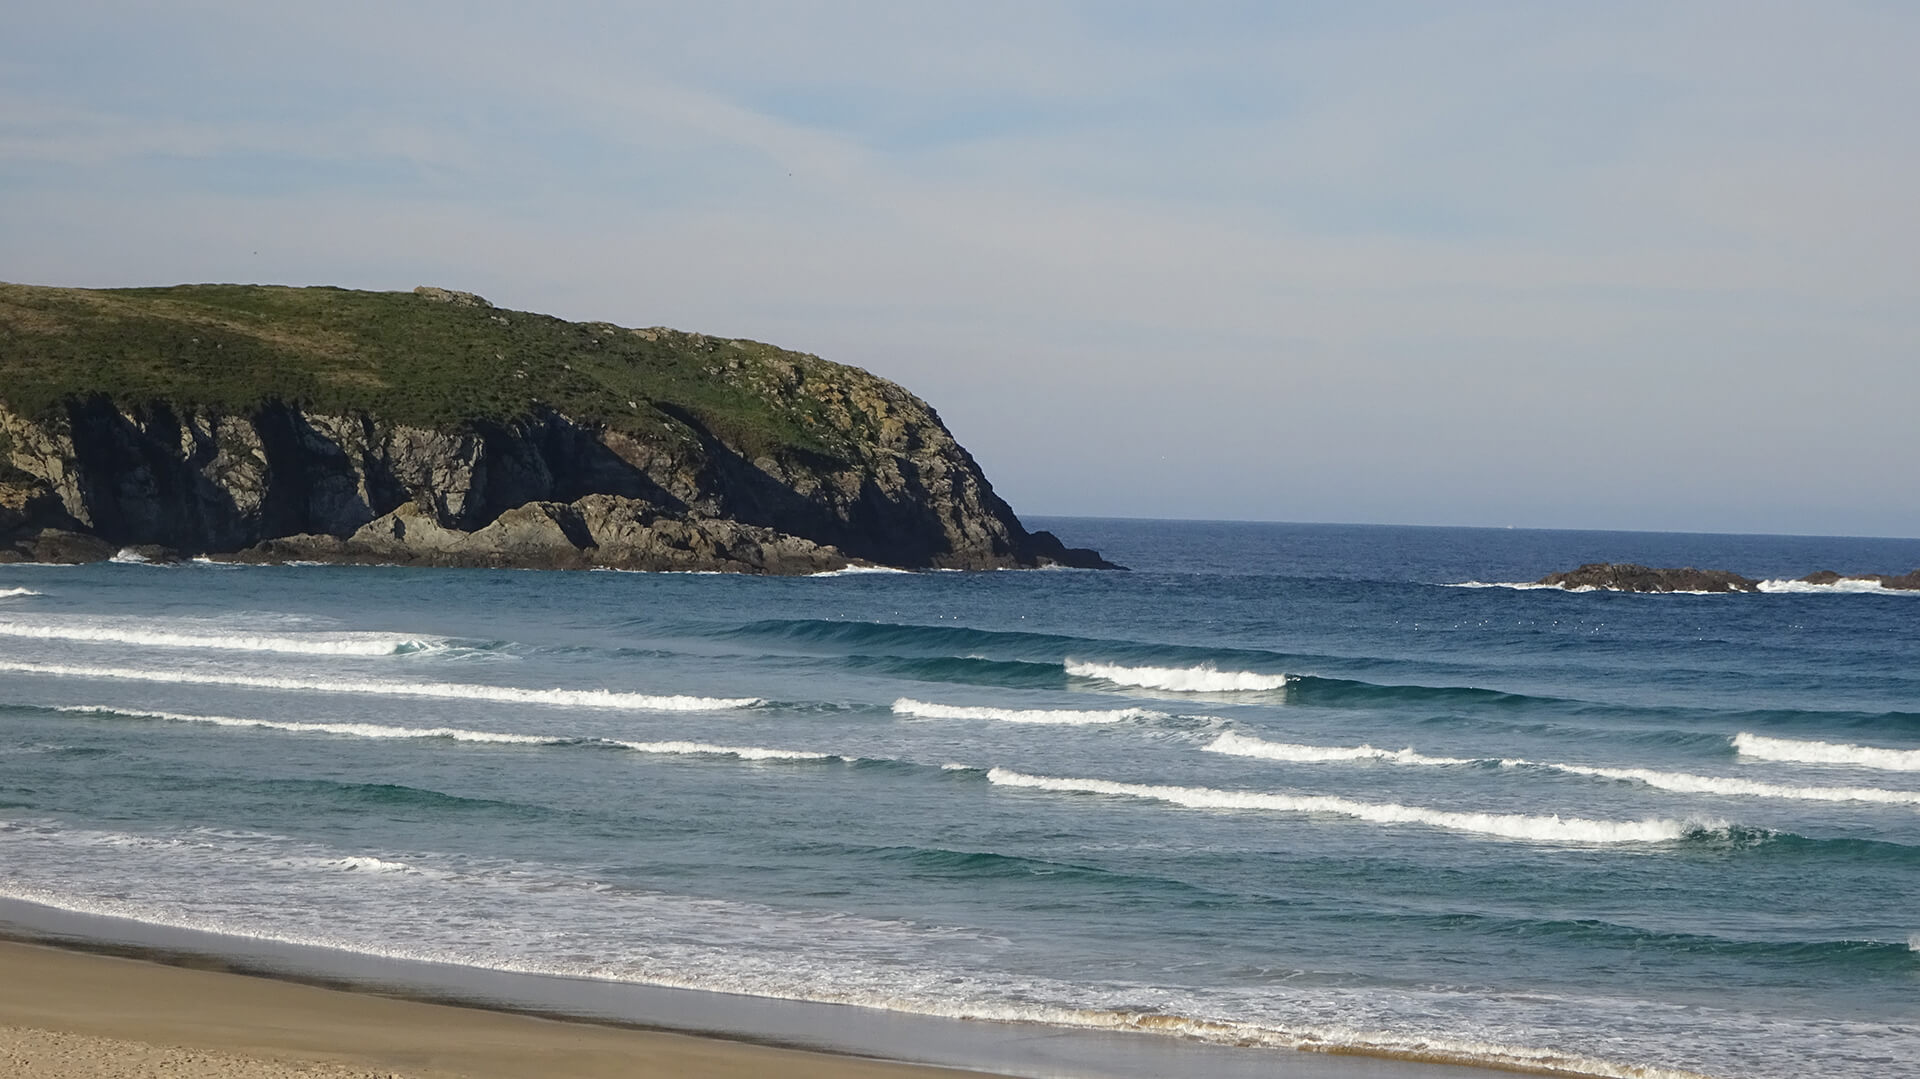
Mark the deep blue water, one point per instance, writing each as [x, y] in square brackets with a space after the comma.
[1281, 784]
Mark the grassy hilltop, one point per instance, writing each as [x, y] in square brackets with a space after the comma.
[429, 358]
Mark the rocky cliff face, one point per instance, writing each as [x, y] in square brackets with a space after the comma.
[274, 481]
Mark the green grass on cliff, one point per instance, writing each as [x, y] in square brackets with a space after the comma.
[406, 358]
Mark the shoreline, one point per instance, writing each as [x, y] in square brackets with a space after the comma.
[77, 1014]
[902, 1045]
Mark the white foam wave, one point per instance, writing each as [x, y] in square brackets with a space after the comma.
[859, 571]
[14, 593]
[458, 691]
[1549, 829]
[745, 753]
[1203, 678]
[352, 730]
[361, 912]
[1791, 749]
[907, 706]
[1688, 783]
[1519, 586]
[1241, 745]
[317, 644]
[1842, 587]
[127, 556]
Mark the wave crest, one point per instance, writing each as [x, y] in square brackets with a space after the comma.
[1551, 829]
[907, 706]
[1808, 752]
[458, 691]
[13, 593]
[316, 644]
[1201, 678]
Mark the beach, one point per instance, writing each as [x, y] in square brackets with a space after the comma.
[73, 1015]
[1369, 793]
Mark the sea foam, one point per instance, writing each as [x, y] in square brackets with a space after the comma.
[458, 691]
[13, 593]
[1549, 829]
[1203, 678]
[1790, 749]
[317, 644]
[907, 706]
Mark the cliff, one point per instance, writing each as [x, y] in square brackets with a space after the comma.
[278, 424]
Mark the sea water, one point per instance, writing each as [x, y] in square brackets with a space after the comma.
[1280, 786]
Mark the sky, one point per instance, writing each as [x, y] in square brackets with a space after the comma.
[1625, 265]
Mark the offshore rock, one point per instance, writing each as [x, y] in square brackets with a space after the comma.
[1631, 577]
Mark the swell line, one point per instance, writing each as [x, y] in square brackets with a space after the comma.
[1553, 829]
[907, 706]
[1807, 752]
[1240, 745]
[574, 698]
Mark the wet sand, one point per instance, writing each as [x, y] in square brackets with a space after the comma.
[75, 1015]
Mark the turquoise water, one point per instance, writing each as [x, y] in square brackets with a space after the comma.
[1282, 785]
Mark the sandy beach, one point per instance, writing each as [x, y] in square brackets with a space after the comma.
[75, 1015]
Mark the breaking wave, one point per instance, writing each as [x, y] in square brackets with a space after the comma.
[1841, 587]
[458, 734]
[352, 730]
[745, 753]
[1203, 678]
[315, 644]
[14, 593]
[907, 706]
[1803, 752]
[1240, 745]
[459, 691]
[1549, 829]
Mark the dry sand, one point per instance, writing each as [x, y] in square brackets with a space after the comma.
[74, 1015]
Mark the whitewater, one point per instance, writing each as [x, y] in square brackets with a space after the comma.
[1277, 789]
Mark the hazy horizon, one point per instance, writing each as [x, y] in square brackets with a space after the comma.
[1640, 268]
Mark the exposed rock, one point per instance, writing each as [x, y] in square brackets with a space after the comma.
[1905, 582]
[1629, 577]
[281, 485]
[450, 295]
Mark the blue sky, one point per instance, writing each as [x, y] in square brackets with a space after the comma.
[1616, 266]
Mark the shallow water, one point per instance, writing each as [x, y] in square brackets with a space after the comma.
[1284, 785]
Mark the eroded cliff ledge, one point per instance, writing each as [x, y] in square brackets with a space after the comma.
[280, 424]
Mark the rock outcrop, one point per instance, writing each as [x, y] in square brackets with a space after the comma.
[1630, 577]
[856, 470]
[1904, 582]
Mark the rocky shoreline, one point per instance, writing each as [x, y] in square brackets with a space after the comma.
[436, 430]
[1631, 577]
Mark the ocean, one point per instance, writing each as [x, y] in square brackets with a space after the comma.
[1278, 787]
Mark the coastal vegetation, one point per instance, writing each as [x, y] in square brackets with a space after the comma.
[431, 358]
